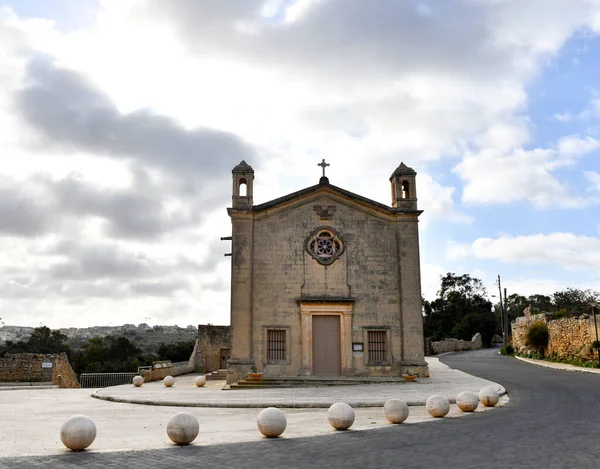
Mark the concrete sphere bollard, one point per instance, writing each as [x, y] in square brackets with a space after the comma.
[271, 422]
[467, 401]
[437, 406]
[488, 396]
[78, 432]
[183, 428]
[137, 381]
[395, 411]
[200, 381]
[169, 381]
[340, 416]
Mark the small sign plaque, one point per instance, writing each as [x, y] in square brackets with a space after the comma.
[46, 364]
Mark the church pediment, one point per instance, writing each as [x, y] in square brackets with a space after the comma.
[325, 198]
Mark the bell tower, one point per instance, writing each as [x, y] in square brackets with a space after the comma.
[404, 188]
[243, 178]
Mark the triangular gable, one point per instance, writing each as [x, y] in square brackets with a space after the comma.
[327, 188]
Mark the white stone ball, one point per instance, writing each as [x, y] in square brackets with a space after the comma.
[437, 406]
[183, 428]
[137, 381]
[271, 422]
[488, 396]
[200, 381]
[169, 381]
[395, 411]
[78, 432]
[340, 416]
[467, 401]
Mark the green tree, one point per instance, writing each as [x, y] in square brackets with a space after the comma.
[540, 303]
[573, 300]
[460, 310]
[109, 354]
[45, 340]
[176, 351]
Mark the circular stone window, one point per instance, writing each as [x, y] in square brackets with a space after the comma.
[325, 246]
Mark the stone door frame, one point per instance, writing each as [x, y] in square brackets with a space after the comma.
[344, 311]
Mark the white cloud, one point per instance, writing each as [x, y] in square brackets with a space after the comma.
[431, 275]
[561, 250]
[593, 178]
[127, 131]
[494, 177]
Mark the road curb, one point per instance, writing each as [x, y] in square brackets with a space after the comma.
[253, 405]
[560, 366]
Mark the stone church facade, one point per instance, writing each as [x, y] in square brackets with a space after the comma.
[325, 282]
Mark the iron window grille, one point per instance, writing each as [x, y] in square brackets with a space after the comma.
[377, 341]
[276, 344]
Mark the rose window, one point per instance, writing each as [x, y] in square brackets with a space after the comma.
[325, 246]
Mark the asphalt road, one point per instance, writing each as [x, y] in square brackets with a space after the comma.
[552, 421]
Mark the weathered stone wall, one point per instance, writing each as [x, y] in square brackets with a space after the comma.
[64, 375]
[161, 373]
[519, 329]
[568, 336]
[456, 345]
[211, 340]
[27, 367]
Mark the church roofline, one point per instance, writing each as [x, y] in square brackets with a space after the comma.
[243, 167]
[343, 192]
[403, 170]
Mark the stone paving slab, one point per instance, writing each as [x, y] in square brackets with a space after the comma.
[444, 381]
[31, 419]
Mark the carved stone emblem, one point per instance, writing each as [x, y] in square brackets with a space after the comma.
[324, 213]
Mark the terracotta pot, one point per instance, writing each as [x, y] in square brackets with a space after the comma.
[255, 375]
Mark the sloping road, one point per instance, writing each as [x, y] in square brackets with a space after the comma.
[552, 421]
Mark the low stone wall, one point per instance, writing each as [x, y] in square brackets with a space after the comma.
[456, 345]
[211, 340]
[36, 367]
[567, 336]
[519, 328]
[161, 373]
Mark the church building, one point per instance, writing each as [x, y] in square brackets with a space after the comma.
[325, 282]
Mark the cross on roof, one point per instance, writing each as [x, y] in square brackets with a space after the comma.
[323, 165]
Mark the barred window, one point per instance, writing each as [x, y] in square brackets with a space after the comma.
[377, 346]
[275, 344]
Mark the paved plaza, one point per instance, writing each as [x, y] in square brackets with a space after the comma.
[31, 419]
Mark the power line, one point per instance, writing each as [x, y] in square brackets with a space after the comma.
[546, 281]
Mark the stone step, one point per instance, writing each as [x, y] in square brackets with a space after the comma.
[305, 382]
[218, 375]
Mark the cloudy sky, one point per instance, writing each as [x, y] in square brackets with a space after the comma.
[120, 123]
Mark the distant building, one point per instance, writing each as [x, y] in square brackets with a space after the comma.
[325, 281]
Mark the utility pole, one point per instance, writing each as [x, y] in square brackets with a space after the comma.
[504, 331]
[505, 318]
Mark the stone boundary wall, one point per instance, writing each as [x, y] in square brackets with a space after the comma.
[456, 345]
[568, 336]
[161, 373]
[27, 367]
[207, 349]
